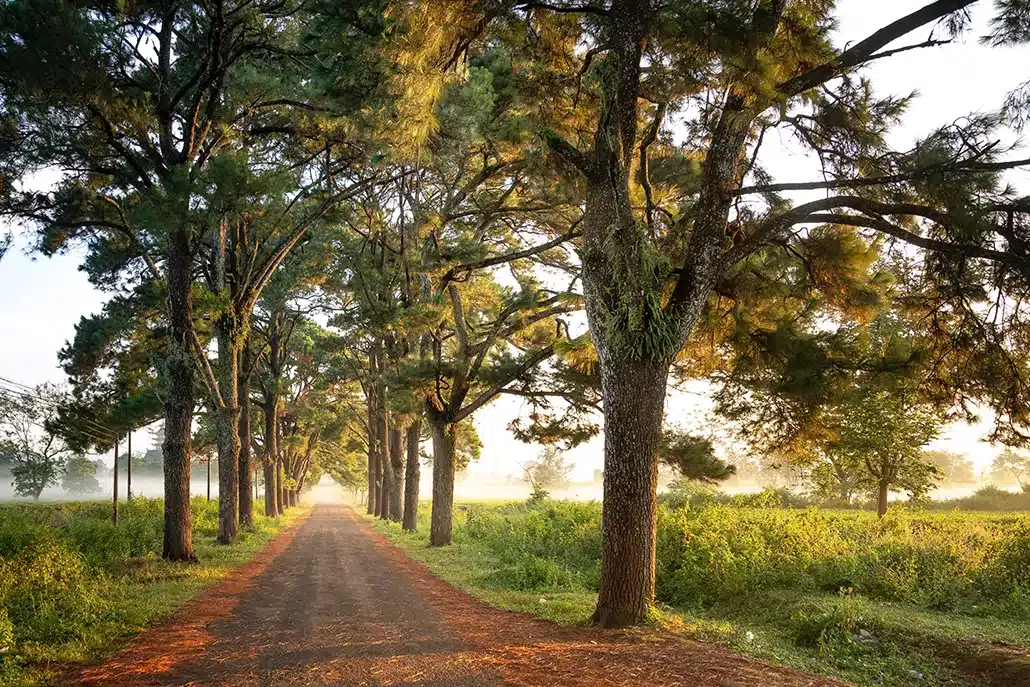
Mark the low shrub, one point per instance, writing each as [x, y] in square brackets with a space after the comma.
[49, 592]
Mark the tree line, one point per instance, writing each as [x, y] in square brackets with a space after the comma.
[332, 229]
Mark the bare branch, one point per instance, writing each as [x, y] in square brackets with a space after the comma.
[865, 49]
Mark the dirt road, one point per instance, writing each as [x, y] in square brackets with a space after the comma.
[332, 603]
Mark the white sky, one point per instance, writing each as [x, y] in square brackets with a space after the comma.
[41, 300]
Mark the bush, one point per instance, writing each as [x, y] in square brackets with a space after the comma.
[49, 592]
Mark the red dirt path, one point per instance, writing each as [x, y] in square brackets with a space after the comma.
[331, 602]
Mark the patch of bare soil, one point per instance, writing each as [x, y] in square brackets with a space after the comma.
[333, 603]
[996, 665]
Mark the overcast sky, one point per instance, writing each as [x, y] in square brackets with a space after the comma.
[42, 299]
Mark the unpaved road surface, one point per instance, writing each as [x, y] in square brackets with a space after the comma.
[332, 603]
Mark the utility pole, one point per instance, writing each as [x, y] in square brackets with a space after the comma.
[209, 478]
[128, 480]
[115, 498]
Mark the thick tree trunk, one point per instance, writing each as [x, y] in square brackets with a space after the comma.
[227, 420]
[268, 460]
[380, 498]
[280, 479]
[384, 471]
[881, 498]
[396, 473]
[411, 477]
[179, 382]
[444, 463]
[634, 396]
[386, 492]
[246, 494]
[371, 440]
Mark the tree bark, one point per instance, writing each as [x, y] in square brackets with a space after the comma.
[271, 440]
[386, 489]
[227, 419]
[384, 473]
[881, 498]
[396, 473]
[371, 440]
[634, 394]
[246, 494]
[411, 477]
[280, 480]
[444, 464]
[179, 381]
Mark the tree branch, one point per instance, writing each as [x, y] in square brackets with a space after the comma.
[967, 166]
[865, 49]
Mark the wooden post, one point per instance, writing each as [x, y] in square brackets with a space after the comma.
[128, 474]
[209, 478]
[114, 503]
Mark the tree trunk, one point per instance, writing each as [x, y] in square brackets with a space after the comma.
[444, 463]
[386, 490]
[384, 473]
[268, 460]
[634, 394]
[179, 382]
[380, 498]
[881, 498]
[227, 437]
[371, 440]
[411, 477]
[396, 473]
[246, 495]
[280, 480]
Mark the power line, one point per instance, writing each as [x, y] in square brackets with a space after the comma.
[82, 425]
[83, 420]
[34, 394]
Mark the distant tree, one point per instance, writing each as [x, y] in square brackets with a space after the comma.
[881, 436]
[548, 471]
[776, 472]
[80, 476]
[29, 432]
[693, 457]
[954, 467]
[834, 477]
[1010, 464]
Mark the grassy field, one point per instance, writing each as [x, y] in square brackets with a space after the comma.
[919, 598]
[73, 586]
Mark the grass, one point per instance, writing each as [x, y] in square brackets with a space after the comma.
[897, 602]
[73, 586]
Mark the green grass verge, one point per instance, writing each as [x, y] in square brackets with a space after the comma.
[862, 639]
[96, 585]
